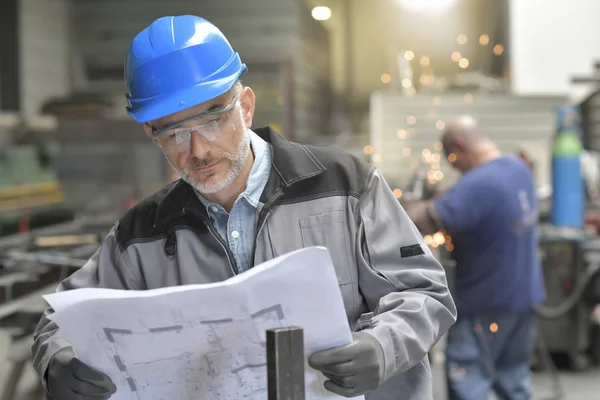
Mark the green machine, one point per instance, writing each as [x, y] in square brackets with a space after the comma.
[30, 194]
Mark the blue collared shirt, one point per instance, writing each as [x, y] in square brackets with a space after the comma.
[238, 227]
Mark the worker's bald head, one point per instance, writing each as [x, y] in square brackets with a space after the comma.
[463, 142]
[462, 131]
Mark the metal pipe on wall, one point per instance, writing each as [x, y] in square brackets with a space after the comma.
[348, 23]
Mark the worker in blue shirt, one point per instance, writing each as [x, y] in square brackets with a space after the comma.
[491, 215]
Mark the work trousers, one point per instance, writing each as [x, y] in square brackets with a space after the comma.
[490, 353]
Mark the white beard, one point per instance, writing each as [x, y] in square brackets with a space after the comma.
[236, 159]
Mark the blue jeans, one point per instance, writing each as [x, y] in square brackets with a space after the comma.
[490, 352]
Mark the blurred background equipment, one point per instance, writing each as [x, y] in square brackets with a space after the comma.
[31, 265]
[569, 243]
[31, 194]
[421, 186]
[567, 183]
[571, 274]
[379, 79]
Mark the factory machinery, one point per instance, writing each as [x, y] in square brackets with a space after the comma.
[569, 321]
[32, 265]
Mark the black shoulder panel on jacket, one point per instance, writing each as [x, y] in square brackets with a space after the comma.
[345, 175]
[160, 214]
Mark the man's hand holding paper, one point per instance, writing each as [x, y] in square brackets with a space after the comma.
[70, 379]
[354, 369]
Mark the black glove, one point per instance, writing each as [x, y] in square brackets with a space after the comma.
[70, 379]
[354, 369]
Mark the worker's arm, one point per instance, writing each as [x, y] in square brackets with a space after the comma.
[404, 287]
[107, 268]
[403, 284]
[456, 210]
[425, 216]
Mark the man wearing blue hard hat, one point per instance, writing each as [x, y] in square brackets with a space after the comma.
[244, 197]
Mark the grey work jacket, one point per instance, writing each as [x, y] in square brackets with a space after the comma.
[314, 196]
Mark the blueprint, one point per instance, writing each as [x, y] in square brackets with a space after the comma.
[206, 341]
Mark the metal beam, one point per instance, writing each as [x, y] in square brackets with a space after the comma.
[585, 79]
[285, 364]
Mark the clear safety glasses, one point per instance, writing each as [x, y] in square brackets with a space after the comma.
[212, 125]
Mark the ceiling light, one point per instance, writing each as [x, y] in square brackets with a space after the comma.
[427, 5]
[321, 13]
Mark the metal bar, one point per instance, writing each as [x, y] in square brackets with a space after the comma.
[285, 364]
[16, 372]
[585, 79]
[66, 240]
[41, 258]
[91, 222]
[32, 299]
[289, 110]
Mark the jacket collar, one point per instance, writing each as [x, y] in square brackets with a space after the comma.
[292, 163]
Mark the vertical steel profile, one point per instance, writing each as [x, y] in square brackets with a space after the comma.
[285, 364]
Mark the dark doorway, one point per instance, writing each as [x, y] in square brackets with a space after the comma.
[9, 56]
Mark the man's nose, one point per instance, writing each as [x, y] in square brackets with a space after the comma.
[199, 145]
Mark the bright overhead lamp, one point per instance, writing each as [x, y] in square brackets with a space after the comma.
[321, 13]
[427, 5]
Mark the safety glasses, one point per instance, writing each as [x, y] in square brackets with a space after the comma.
[177, 138]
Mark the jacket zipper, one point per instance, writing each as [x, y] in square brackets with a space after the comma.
[262, 217]
[224, 245]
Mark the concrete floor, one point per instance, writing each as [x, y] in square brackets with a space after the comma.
[576, 386]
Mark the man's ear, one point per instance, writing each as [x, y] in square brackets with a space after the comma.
[148, 130]
[460, 144]
[247, 98]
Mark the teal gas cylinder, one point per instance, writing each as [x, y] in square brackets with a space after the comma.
[568, 191]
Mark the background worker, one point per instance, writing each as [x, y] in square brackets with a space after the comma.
[246, 196]
[491, 214]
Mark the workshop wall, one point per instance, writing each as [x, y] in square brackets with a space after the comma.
[270, 35]
[45, 52]
[550, 44]
[257, 29]
[405, 131]
[312, 71]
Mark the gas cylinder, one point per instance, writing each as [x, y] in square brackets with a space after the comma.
[568, 190]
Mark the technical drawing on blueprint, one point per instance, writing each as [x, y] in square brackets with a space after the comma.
[163, 345]
[233, 351]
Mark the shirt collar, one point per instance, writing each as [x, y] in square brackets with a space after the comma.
[259, 174]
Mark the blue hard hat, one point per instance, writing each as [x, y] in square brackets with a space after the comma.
[177, 63]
